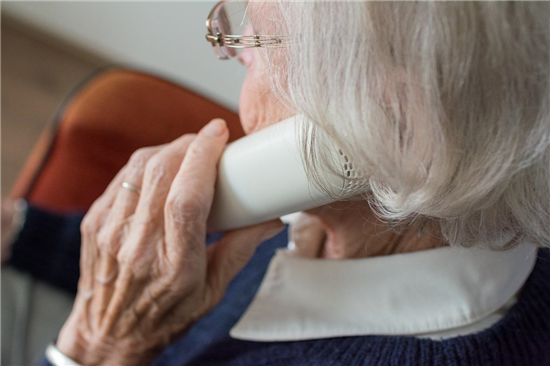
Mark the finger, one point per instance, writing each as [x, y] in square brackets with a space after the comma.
[226, 258]
[230, 254]
[191, 194]
[158, 176]
[148, 219]
[89, 228]
[140, 247]
[116, 307]
[127, 199]
[96, 215]
[112, 234]
[124, 205]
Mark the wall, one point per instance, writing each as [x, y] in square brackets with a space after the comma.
[163, 37]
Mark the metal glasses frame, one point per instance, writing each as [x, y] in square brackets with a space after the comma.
[241, 41]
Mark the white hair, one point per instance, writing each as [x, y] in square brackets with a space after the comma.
[464, 138]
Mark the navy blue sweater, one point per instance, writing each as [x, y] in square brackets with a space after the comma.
[522, 337]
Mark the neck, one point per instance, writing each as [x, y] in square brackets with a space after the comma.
[351, 230]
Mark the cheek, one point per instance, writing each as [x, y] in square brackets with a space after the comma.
[249, 103]
[258, 105]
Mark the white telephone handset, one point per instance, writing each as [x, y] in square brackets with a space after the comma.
[261, 177]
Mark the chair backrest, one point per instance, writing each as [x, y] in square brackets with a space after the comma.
[111, 115]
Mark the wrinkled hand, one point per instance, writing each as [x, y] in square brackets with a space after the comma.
[146, 274]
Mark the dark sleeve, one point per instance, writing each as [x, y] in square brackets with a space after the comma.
[45, 362]
[48, 247]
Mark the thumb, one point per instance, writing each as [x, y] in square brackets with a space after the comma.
[230, 254]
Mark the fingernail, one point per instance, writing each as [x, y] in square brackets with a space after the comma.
[214, 128]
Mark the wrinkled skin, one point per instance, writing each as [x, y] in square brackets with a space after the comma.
[344, 230]
[339, 230]
[146, 274]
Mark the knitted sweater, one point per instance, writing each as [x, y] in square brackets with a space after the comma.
[522, 337]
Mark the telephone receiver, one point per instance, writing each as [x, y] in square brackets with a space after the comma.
[261, 177]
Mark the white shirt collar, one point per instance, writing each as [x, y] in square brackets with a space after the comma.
[420, 293]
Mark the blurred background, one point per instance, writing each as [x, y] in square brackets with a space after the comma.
[48, 47]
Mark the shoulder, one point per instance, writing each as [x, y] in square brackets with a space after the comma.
[520, 338]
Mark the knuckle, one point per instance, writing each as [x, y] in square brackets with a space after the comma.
[108, 239]
[89, 225]
[197, 149]
[139, 158]
[127, 258]
[185, 208]
[138, 252]
[123, 257]
[156, 169]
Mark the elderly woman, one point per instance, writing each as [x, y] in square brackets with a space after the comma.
[436, 263]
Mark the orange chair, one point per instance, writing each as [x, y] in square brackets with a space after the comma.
[113, 113]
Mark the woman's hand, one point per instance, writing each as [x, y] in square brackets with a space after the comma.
[146, 274]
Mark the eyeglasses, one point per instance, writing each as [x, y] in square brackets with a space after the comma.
[228, 25]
